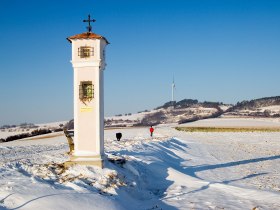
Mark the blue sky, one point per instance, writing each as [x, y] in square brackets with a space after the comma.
[217, 50]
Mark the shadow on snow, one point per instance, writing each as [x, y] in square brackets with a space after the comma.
[151, 175]
[159, 157]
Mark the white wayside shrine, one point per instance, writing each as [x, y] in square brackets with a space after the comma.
[88, 60]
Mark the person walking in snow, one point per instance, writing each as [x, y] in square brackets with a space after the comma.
[151, 130]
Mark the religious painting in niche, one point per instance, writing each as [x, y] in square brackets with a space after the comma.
[86, 91]
[85, 52]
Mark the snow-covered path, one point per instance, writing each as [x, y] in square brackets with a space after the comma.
[175, 170]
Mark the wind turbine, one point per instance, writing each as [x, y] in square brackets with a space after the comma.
[173, 88]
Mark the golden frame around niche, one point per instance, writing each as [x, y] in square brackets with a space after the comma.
[86, 91]
[85, 52]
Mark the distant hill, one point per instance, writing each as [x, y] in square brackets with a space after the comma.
[189, 110]
[257, 103]
[183, 111]
[262, 107]
[29, 130]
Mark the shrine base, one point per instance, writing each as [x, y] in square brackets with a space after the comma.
[85, 160]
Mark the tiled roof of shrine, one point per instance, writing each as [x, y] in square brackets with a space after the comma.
[86, 35]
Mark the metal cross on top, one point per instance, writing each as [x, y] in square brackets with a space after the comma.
[89, 20]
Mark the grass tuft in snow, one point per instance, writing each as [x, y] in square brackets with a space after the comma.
[105, 181]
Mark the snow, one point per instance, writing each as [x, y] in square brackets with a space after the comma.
[235, 122]
[225, 107]
[170, 115]
[275, 108]
[133, 117]
[174, 170]
[4, 133]
[271, 110]
[52, 124]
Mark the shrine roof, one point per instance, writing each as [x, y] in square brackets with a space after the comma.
[86, 35]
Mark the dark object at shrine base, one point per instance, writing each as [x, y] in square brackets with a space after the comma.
[118, 136]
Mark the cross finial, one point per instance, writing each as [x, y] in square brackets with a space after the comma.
[89, 26]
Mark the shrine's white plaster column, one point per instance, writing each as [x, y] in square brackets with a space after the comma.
[88, 60]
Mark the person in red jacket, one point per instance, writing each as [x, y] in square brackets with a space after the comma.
[151, 130]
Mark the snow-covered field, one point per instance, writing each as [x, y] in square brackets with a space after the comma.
[236, 122]
[174, 170]
[4, 133]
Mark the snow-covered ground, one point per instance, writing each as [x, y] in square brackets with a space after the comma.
[4, 133]
[275, 108]
[235, 122]
[174, 170]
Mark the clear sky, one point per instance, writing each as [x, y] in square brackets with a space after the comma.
[217, 50]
